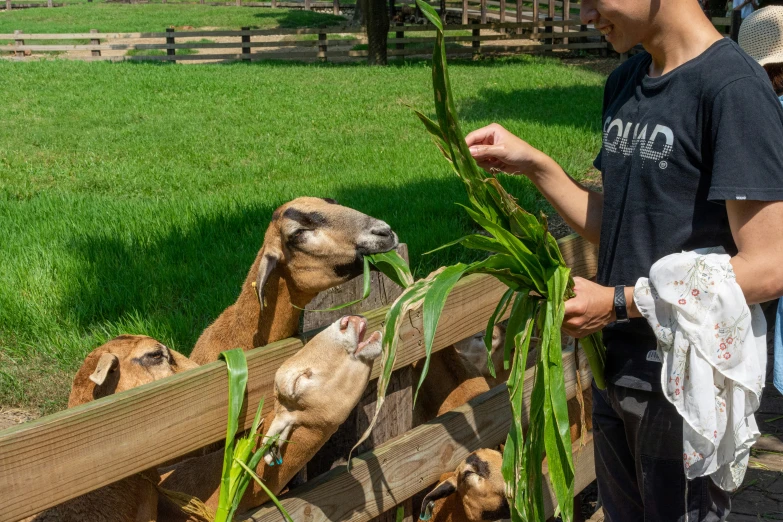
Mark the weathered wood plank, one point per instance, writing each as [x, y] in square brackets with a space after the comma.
[78, 447]
[401, 468]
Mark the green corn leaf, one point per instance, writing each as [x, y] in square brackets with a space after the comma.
[271, 495]
[410, 298]
[557, 438]
[476, 242]
[236, 364]
[434, 300]
[500, 311]
[393, 266]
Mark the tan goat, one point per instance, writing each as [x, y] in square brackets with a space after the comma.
[474, 492]
[315, 391]
[474, 353]
[311, 245]
[120, 364]
[450, 386]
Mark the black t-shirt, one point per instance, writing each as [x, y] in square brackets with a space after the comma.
[674, 149]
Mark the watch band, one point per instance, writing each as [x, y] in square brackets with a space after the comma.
[620, 308]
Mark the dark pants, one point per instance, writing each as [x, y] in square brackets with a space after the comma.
[638, 461]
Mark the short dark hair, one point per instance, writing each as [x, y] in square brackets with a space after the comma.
[775, 73]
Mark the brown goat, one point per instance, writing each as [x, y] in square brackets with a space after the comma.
[315, 391]
[124, 362]
[311, 245]
[474, 492]
[474, 353]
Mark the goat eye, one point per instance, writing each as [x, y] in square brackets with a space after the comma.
[156, 355]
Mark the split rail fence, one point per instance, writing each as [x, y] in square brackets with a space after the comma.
[340, 43]
[64, 455]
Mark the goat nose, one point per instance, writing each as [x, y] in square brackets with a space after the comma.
[383, 230]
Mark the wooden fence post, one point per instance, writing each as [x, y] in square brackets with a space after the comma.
[7, 5]
[322, 47]
[519, 16]
[551, 8]
[400, 34]
[336, 7]
[736, 21]
[19, 54]
[476, 41]
[464, 12]
[239, 3]
[246, 50]
[535, 16]
[274, 3]
[49, 3]
[549, 33]
[170, 40]
[483, 11]
[566, 18]
[308, 7]
[502, 11]
[95, 41]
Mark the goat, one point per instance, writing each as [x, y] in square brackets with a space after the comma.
[474, 492]
[311, 245]
[315, 391]
[474, 353]
[124, 362]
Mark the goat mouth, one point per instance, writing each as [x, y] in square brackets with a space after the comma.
[374, 338]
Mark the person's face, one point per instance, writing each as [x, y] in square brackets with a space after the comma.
[624, 23]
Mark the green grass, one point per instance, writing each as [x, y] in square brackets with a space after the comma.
[134, 197]
[130, 18]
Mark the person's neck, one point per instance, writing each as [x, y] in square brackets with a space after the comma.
[678, 36]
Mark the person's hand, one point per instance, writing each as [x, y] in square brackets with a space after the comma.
[589, 310]
[496, 149]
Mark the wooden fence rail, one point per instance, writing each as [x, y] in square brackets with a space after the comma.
[334, 42]
[58, 457]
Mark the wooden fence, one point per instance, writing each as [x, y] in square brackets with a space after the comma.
[341, 43]
[58, 457]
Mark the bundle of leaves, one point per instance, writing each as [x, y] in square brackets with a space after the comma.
[526, 258]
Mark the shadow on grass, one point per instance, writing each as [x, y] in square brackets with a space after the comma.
[290, 18]
[572, 106]
[174, 282]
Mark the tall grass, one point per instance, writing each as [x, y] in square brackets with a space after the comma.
[133, 198]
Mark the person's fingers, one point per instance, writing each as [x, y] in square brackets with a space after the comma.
[570, 309]
[482, 136]
[487, 151]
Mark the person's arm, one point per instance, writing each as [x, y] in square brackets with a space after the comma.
[757, 228]
[496, 149]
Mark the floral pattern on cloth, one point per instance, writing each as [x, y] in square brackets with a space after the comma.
[714, 354]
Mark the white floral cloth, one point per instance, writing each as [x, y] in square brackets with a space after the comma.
[714, 355]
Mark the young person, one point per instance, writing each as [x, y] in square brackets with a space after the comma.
[691, 158]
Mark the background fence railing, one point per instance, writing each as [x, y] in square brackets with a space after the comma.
[342, 42]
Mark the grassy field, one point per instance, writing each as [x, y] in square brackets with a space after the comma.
[133, 197]
[129, 18]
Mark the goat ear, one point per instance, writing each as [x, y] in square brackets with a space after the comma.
[180, 362]
[268, 263]
[442, 490]
[106, 364]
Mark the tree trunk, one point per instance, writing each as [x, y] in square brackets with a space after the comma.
[359, 12]
[377, 17]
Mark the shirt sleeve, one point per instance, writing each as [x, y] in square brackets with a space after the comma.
[747, 142]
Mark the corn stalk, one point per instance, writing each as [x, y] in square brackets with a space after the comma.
[526, 258]
[239, 459]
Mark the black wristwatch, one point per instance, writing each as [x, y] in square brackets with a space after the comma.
[620, 309]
